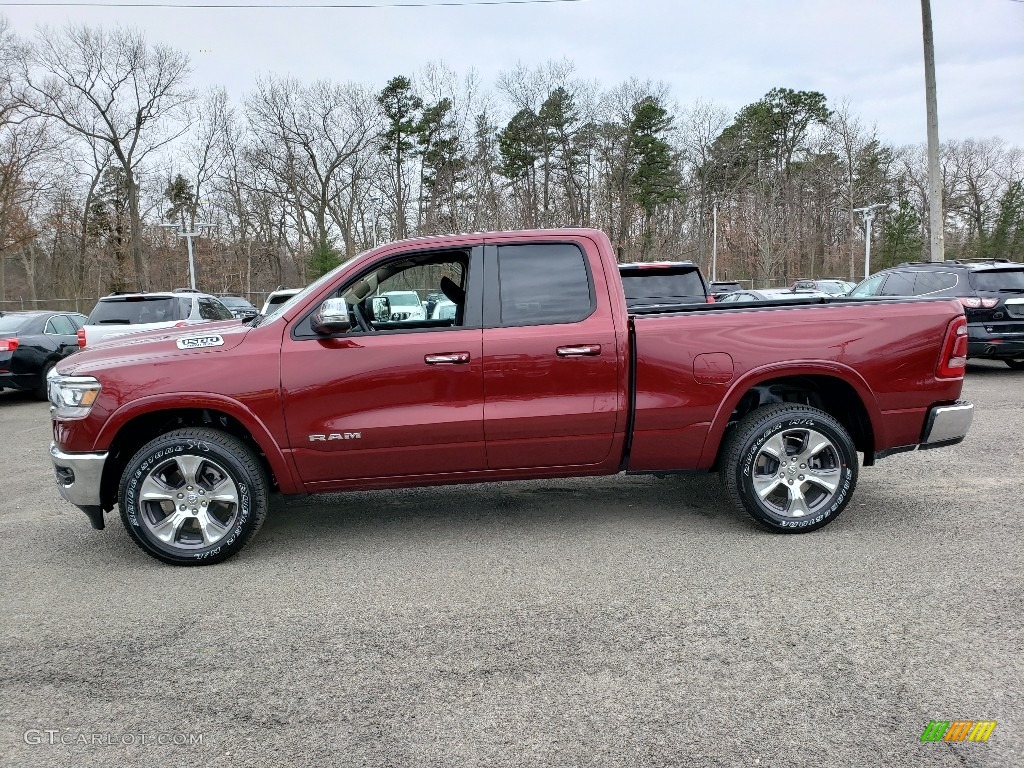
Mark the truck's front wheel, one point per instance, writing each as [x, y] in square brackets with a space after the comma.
[193, 496]
[793, 468]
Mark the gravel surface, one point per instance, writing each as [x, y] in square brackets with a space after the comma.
[625, 621]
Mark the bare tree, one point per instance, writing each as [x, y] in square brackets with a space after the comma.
[112, 87]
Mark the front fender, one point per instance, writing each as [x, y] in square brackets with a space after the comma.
[284, 471]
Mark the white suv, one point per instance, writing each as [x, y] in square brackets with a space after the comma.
[121, 313]
[405, 305]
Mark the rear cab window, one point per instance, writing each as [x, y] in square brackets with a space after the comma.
[660, 285]
[135, 310]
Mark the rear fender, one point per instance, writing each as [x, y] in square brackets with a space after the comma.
[765, 373]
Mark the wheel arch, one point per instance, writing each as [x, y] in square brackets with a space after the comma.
[135, 424]
[836, 389]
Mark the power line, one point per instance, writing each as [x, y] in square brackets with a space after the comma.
[425, 4]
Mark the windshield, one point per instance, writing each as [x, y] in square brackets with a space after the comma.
[234, 301]
[133, 310]
[830, 286]
[312, 288]
[999, 280]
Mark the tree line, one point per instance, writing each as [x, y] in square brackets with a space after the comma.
[103, 140]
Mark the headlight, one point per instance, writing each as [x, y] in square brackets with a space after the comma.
[71, 397]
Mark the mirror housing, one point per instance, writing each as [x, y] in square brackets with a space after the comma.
[381, 309]
[331, 318]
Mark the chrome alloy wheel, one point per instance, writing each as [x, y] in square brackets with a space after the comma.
[188, 501]
[797, 472]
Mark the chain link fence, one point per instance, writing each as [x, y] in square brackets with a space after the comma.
[81, 304]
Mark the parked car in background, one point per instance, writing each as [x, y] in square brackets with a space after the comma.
[405, 305]
[31, 343]
[991, 291]
[719, 288]
[831, 287]
[771, 294]
[276, 298]
[444, 310]
[122, 312]
[663, 283]
[431, 301]
[239, 307]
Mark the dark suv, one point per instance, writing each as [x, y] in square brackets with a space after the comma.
[991, 290]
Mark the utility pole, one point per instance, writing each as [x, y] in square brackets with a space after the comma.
[868, 212]
[935, 218]
[714, 241]
[199, 227]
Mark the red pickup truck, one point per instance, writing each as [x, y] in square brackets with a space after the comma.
[538, 372]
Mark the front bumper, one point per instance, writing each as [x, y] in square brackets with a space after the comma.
[947, 424]
[78, 480]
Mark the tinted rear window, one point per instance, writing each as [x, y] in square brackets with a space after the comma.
[135, 310]
[658, 286]
[543, 284]
[999, 280]
[15, 323]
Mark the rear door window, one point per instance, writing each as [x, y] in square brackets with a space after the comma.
[60, 325]
[934, 282]
[134, 310]
[543, 284]
[898, 284]
[211, 309]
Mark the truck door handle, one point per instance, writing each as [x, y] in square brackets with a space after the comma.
[579, 350]
[448, 358]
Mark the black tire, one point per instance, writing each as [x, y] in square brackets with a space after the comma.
[749, 464]
[1017, 365]
[40, 391]
[199, 523]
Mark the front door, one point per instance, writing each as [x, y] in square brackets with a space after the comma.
[398, 397]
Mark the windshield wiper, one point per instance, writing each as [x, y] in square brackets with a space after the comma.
[115, 321]
[254, 321]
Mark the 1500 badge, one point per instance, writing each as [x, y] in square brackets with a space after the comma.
[199, 342]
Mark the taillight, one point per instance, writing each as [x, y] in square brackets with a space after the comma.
[711, 299]
[180, 325]
[953, 359]
[8, 345]
[81, 338]
[973, 302]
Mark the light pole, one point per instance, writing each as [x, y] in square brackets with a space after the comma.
[714, 241]
[199, 227]
[935, 218]
[868, 212]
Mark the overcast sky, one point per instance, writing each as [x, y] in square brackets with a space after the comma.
[727, 51]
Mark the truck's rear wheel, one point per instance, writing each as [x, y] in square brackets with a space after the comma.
[793, 468]
[193, 496]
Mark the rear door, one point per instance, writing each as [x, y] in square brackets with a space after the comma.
[550, 357]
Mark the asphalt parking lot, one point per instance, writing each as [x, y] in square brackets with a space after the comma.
[625, 621]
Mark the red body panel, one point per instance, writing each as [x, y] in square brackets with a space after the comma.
[515, 408]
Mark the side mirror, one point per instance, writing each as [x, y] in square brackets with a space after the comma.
[332, 317]
[381, 309]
